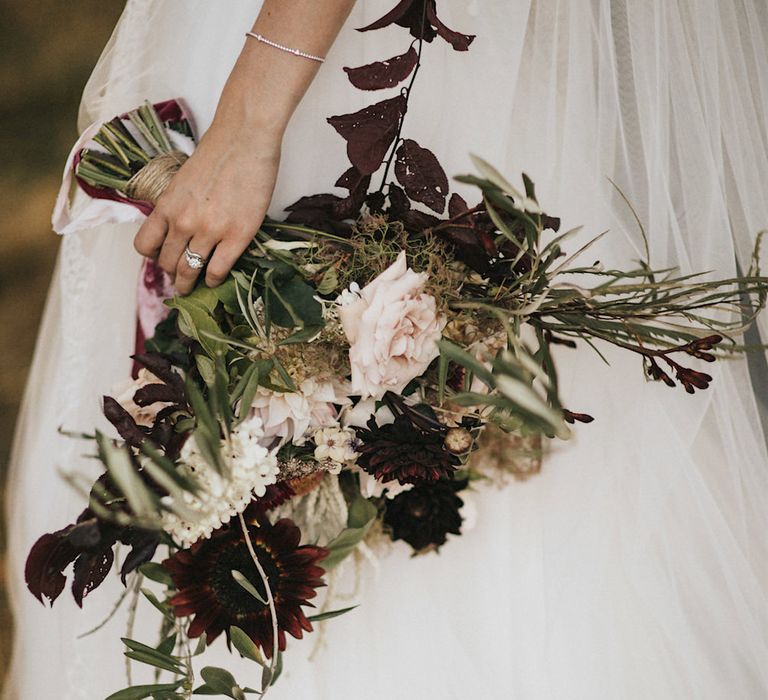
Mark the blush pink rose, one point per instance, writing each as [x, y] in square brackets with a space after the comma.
[393, 328]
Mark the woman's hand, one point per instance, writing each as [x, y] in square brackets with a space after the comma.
[218, 199]
[214, 204]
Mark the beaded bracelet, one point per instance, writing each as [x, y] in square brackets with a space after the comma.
[295, 52]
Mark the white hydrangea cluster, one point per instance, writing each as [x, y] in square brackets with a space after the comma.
[223, 496]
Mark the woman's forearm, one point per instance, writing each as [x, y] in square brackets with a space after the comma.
[267, 84]
[220, 196]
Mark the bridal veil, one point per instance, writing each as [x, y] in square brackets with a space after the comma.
[635, 565]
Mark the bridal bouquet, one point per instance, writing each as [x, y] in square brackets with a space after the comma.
[369, 361]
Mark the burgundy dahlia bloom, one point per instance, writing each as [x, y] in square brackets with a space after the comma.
[425, 515]
[404, 452]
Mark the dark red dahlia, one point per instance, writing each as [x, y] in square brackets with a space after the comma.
[207, 589]
[405, 452]
[424, 515]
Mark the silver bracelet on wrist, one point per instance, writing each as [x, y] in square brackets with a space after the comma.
[295, 52]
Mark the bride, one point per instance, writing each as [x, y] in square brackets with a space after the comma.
[635, 565]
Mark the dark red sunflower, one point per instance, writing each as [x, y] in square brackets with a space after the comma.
[207, 589]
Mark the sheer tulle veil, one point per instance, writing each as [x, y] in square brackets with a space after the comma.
[635, 565]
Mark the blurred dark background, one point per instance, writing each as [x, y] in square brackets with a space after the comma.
[47, 51]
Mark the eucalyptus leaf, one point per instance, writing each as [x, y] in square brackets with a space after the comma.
[142, 501]
[248, 586]
[159, 606]
[133, 645]
[219, 679]
[157, 573]
[245, 645]
[278, 667]
[305, 335]
[151, 660]
[330, 614]
[361, 516]
[329, 281]
[206, 368]
[139, 692]
[167, 645]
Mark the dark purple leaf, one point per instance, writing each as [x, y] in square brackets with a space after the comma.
[457, 205]
[352, 179]
[471, 235]
[85, 535]
[375, 202]
[161, 367]
[357, 184]
[47, 559]
[410, 14]
[123, 422]
[420, 18]
[315, 201]
[399, 203]
[460, 42]
[418, 221]
[421, 175]
[369, 132]
[383, 74]
[143, 545]
[152, 393]
[90, 570]
[400, 210]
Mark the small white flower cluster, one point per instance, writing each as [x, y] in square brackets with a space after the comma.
[349, 296]
[223, 496]
[335, 448]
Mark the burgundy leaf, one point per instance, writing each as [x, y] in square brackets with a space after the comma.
[314, 201]
[420, 173]
[90, 570]
[152, 393]
[418, 221]
[161, 367]
[383, 74]
[47, 559]
[408, 14]
[375, 202]
[352, 179]
[370, 132]
[85, 535]
[420, 18]
[460, 42]
[399, 203]
[457, 205]
[143, 546]
[123, 422]
[357, 184]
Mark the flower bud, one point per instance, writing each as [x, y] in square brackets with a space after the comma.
[458, 441]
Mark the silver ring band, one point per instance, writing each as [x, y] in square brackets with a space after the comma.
[194, 260]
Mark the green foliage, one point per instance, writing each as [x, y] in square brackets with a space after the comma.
[361, 516]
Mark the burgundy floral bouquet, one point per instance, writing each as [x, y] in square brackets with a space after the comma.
[368, 361]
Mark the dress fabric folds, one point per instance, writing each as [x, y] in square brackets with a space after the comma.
[635, 565]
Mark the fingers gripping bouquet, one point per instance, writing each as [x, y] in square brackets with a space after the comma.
[367, 362]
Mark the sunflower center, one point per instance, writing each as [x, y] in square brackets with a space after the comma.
[228, 591]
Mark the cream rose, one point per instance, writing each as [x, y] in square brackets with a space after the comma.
[393, 328]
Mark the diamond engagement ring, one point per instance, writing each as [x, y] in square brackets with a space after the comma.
[194, 260]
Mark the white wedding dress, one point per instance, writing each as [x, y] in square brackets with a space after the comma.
[635, 565]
